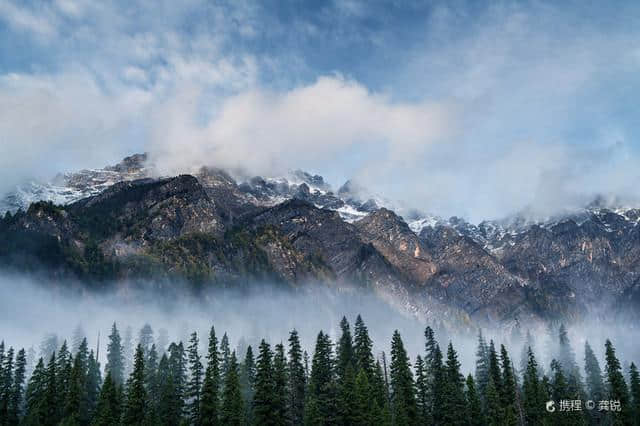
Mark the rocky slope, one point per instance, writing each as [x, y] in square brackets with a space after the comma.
[118, 224]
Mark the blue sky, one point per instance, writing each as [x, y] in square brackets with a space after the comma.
[478, 109]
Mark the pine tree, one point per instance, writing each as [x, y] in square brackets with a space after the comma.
[363, 349]
[63, 376]
[108, 408]
[494, 368]
[494, 414]
[115, 357]
[93, 384]
[482, 366]
[618, 390]
[508, 396]
[567, 360]
[195, 382]
[263, 404]
[595, 384]
[438, 386]
[280, 415]
[402, 397]
[297, 379]
[232, 410]
[75, 409]
[380, 391]
[455, 408]
[531, 392]
[14, 412]
[363, 410]
[432, 374]
[320, 405]
[127, 351]
[345, 374]
[178, 373]
[561, 390]
[209, 400]
[529, 342]
[247, 384]
[50, 403]
[145, 338]
[151, 384]
[169, 403]
[136, 403]
[6, 384]
[474, 412]
[422, 392]
[634, 384]
[35, 395]
[225, 355]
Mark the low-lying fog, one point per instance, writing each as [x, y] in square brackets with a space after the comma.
[31, 310]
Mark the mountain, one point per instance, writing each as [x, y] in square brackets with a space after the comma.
[121, 225]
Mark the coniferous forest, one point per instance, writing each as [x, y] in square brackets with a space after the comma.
[203, 382]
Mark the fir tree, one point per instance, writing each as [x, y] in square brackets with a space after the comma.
[195, 382]
[508, 396]
[363, 410]
[379, 390]
[136, 403]
[50, 403]
[145, 338]
[567, 360]
[297, 379]
[280, 415]
[232, 410]
[363, 349]
[595, 384]
[422, 392]
[402, 396]
[438, 386]
[14, 412]
[209, 400]
[263, 404]
[561, 390]
[178, 373]
[455, 408]
[247, 384]
[6, 384]
[531, 392]
[152, 384]
[108, 409]
[63, 376]
[93, 384]
[474, 412]
[494, 368]
[115, 357]
[320, 402]
[35, 395]
[127, 351]
[225, 355]
[482, 365]
[75, 409]
[345, 374]
[432, 374]
[493, 410]
[169, 404]
[634, 384]
[618, 390]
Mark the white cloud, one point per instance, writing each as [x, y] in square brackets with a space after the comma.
[268, 132]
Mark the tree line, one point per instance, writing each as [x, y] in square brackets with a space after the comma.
[342, 383]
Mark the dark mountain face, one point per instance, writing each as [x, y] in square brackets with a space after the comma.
[208, 230]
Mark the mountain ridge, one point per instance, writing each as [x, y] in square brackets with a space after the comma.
[211, 230]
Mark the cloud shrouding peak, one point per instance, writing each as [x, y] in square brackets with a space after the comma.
[265, 132]
[456, 109]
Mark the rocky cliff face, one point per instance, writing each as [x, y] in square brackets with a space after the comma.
[210, 230]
